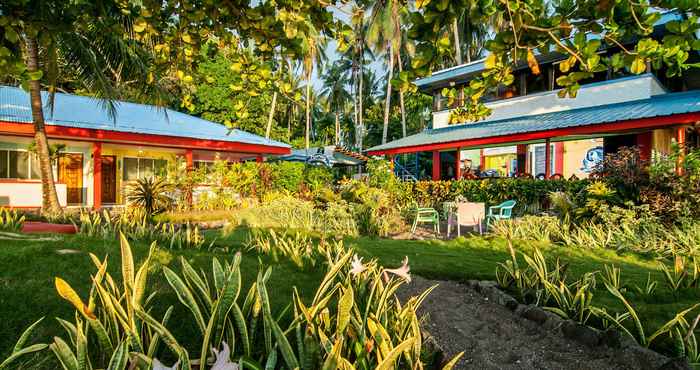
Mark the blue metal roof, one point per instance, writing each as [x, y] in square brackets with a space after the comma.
[656, 106]
[86, 112]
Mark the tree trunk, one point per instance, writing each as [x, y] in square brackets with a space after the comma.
[337, 128]
[403, 107]
[271, 115]
[360, 89]
[308, 110]
[50, 205]
[458, 47]
[387, 105]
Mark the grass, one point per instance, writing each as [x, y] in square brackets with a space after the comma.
[28, 270]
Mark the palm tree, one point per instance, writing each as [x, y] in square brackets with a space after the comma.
[385, 33]
[335, 94]
[313, 45]
[100, 53]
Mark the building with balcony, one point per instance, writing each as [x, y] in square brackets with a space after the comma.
[533, 131]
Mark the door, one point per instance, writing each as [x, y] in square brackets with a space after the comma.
[70, 172]
[109, 179]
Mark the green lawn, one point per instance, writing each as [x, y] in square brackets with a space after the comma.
[28, 269]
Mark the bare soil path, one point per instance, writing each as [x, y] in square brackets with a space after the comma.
[493, 337]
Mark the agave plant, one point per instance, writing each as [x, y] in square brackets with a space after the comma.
[150, 194]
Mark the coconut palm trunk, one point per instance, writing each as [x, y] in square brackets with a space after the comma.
[308, 110]
[387, 105]
[458, 47]
[50, 204]
[360, 87]
[271, 115]
[401, 101]
[337, 128]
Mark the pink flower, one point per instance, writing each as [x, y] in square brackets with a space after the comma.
[357, 266]
[402, 271]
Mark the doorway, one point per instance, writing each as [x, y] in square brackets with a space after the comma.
[109, 179]
[70, 172]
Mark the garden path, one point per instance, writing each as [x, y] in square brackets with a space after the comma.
[493, 337]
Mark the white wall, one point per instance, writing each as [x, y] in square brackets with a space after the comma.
[27, 194]
[609, 92]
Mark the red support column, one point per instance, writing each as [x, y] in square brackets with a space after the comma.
[189, 159]
[458, 164]
[521, 150]
[96, 175]
[482, 160]
[259, 158]
[547, 159]
[643, 142]
[680, 139]
[436, 165]
[559, 158]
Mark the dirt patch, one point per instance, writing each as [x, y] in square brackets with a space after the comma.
[494, 337]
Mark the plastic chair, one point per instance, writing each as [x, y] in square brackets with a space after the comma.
[426, 215]
[503, 211]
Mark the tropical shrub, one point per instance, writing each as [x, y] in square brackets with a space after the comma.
[531, 195]
[285, 211]
[376, 211]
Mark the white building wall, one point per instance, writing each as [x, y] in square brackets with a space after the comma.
[608, 92]
[27, 193]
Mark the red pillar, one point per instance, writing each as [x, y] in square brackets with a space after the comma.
[547, 159]
[189, 159]
[482, 160]
[458, 164]
[559, 158]
[436, 165]
[259, 158]
[643, 142]
[521, 150]
[680, 139]
[96, 175]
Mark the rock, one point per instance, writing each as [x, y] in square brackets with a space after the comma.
[611, 338]
[580, 333]
[510, 303]
[676, 364]
[535, 314]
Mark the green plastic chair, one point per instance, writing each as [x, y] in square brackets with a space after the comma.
[503, 211]
[426, 215]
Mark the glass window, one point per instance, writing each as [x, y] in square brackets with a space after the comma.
[131, 168]
[139, 168]
[161, 167]
[145, 168]
[19, 165]
[3, 164]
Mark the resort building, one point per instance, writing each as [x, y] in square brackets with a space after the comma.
[101, 153]
[532, 131]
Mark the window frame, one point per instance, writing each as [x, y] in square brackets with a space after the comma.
[139, 163]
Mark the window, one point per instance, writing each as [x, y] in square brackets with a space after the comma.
[139, 168]
[19, 164]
